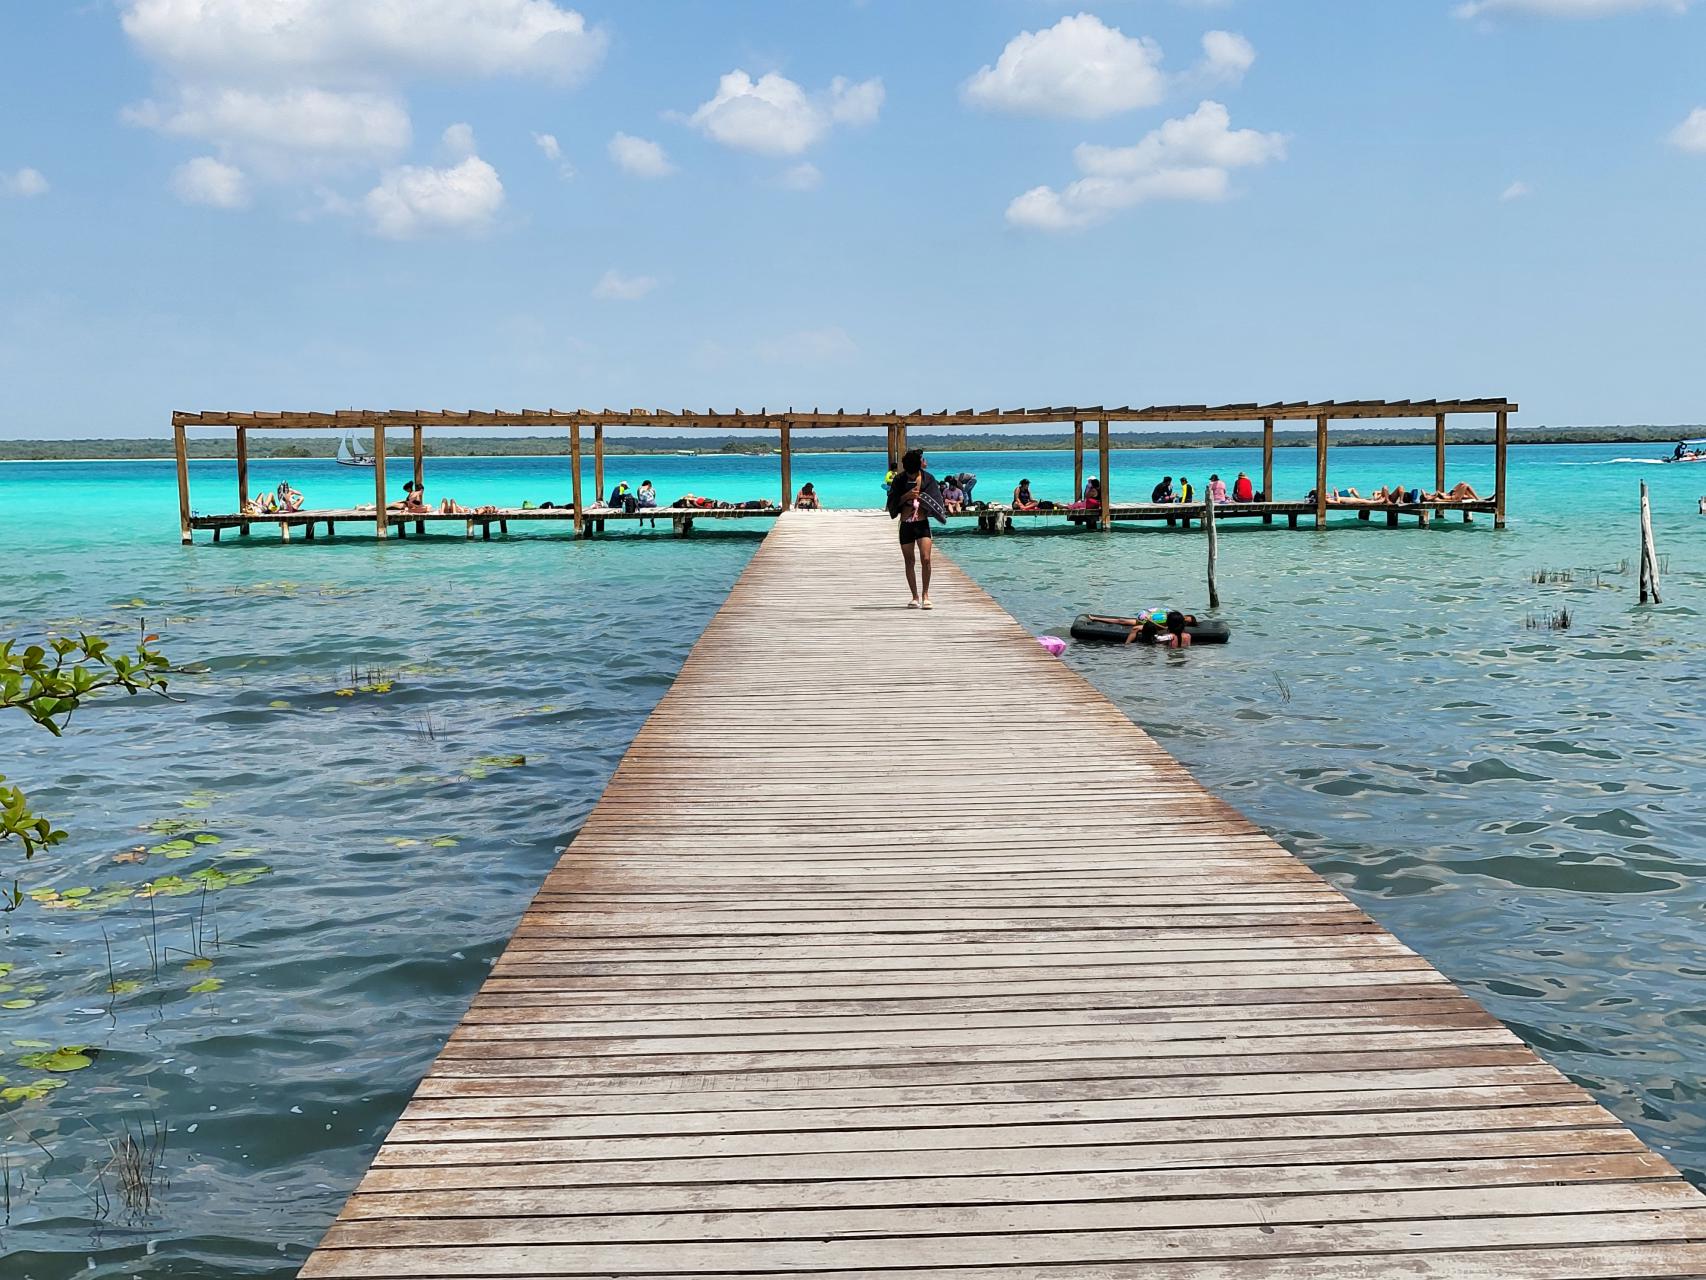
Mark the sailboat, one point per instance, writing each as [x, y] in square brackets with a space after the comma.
[350, 456]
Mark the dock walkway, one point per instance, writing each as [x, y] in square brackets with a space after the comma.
[895, 950]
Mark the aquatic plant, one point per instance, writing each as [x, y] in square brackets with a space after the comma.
[374, 680]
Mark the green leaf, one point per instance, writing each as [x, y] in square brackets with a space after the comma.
[18, 1003]
[71, 1058]
[205, 986]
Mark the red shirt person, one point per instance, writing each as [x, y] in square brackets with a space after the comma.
[1242, 489]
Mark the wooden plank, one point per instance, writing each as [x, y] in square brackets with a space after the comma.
[243, 472]
[759, 1022]
[1439, 453]
[1321, 471]
[180, 449]
[379, 513]
[1501, 450]
[575, 478]
[1102, 472]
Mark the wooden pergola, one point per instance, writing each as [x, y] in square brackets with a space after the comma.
[895, 424]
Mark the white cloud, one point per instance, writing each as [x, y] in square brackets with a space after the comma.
[1185, 159]
[613, 286]
[237, 40]
[809, 346]
[1078, 68]
[410, 200]
[774, 116]
[279, 127]
[1565, 8]
[804, 176]
[1516, 191]
[640, 157]
[1226, 57]
[205, 180]
[1690, 135]
[547, 143]
[458, 141]
[25, 182]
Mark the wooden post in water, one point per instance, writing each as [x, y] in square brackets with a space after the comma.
[1267, 464]
[1077, 459]
[894, 455]
[1213, 550]
[1321, 472]
[787, 466]
[181, 448]
[379, 529]
[242, 475]
[598, 464]
[1439, 453]
[420, 474]
[1649, 561]
[1102, 473]
[575, 467]
[1501, 446]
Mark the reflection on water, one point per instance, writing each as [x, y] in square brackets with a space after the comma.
[339, 823]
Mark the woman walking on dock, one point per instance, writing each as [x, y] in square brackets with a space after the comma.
[915, 498]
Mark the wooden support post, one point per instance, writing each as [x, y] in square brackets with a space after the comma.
[1213, 551]
[1321, 472]
[242, 474]
[575, 466]
[1267, 464]
[1501, 447]
[1102, 473]
[420, 462]
[598, 464]
[1439, 453]
[379, 526]
[1649, 559]
[1077, 459]
[787, 466]
[900, 443]
[894, 456]
[181, 447]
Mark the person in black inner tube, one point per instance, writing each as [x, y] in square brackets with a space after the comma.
[915, 499]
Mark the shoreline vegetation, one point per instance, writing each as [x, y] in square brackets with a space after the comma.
[322, 445]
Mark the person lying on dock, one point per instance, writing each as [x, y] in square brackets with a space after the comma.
[1162, 492]
[1459, 492]
[451, 507]
[1022, 499]
[806, 499]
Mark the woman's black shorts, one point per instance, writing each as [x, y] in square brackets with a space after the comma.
[912, 530]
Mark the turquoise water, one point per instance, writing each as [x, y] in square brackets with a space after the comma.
[1523, 805]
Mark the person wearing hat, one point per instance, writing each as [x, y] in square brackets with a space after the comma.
[1022, 499]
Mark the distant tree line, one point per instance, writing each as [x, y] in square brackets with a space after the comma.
[267, 445]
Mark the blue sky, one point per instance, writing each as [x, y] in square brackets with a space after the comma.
[848, 204]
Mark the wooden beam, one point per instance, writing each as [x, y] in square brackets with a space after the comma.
[1439, 452]
[242, 474]
[894, 454]
[1077, 459]
[1267, 459]
[180, 447]
[575, 467]
[379, 526]
[1102, 472]
[420, 464]
[598, 464]
[1501, 448]
[1321, 471]
[787, 468]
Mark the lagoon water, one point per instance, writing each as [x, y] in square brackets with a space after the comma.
[384, 745]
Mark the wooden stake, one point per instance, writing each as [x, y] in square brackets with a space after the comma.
[1321, 472]
[180, 447]
[242, 473]
[1077, 459]
[1439, 453]
[1213, 551]
[1102, 473]
[379, 525]
[575, 467]
[1501, 447]
[787, 468]
[1649, 561]
[1267, 463]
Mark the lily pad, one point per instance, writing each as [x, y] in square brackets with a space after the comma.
[31, 1044]
[205, 986]
[124, 986]
[401, 842]
[70, 1058]
[279, 704]
[81, 891]
[199, 963]
[205, 838]
[445, 842]
[32, 1092]
[17, 1003]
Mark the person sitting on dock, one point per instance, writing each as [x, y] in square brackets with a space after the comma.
[414, 499]
[1022, 499]
[1216, 489]
[1186, 493]
[288, 499]
[1242, 489]
[1162, 492]
[1459, 492]
[1092, 499]
[621, 499]
[806, 499]
[953, 497]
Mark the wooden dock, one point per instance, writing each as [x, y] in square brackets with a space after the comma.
[895, 950]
